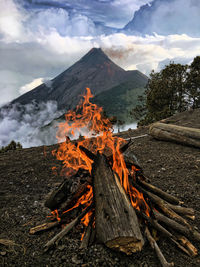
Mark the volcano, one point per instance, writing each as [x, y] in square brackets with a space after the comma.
[94, 70]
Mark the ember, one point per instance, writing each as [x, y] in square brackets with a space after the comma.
[114, 192]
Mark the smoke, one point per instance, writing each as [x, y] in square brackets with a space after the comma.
[24, 124]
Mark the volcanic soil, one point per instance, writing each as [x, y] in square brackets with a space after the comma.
[26, 178]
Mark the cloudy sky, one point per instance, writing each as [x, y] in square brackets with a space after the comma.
[41, 38]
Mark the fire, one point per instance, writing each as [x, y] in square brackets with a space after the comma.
[97, 131]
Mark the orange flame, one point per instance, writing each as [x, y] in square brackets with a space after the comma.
[88, 120]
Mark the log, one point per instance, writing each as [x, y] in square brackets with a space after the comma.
[116, 222]
[155, 246]
[174, 133]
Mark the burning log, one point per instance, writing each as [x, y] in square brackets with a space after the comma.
[115, 219]
[65, 190]
[174, 133]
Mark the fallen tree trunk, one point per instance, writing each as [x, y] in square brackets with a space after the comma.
[174, 133]
[115, 219]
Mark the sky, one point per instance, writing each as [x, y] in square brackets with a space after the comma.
[41, 38]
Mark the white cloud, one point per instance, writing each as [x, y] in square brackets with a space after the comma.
[11, 20]
[29, 86]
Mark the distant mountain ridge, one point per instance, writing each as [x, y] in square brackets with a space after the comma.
[94, 70]
[166, 17]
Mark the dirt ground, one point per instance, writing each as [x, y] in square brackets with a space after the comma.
[26, 178]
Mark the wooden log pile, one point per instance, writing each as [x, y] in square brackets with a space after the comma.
[121, 219]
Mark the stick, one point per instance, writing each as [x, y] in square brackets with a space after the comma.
[188, 231]
[162, 230]
[87, 234]
[59, 236]
[160, 193]
[192, 250]
[43, 227]
[86, 238]
[189, 212]
[165, 208]
[155, 246]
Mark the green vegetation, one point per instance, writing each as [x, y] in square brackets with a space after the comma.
[120, 100]
[12, 146]
[174, 89]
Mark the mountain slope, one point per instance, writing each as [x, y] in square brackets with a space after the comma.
[94, 70]
[121, 99]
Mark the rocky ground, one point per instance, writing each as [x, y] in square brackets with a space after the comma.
[26, 178]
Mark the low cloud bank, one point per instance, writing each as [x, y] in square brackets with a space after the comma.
[24, 124]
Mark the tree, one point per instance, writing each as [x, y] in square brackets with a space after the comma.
[193, 83]
[165, 94]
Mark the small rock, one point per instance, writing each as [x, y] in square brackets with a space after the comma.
[76, 260]
[3, 253]
[61, 247]
[63, 258]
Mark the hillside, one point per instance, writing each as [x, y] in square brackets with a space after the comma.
[26, 178]
[121, 99]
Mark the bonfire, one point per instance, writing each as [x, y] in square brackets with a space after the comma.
[116, 203]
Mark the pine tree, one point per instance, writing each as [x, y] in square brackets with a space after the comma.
[193, 83]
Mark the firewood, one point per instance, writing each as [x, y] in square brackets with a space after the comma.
[116, 222]
[74, 197]
[166, 209]
[60, 194]
[43, 227]
[86, 238]
[160, 193]
[188, 212]
[155, 246]
[187, 244]
[88, 153]
[174, 133]
[66, 191]
[188, 231]
[66, 229]
[163, 231]
[87, 234]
